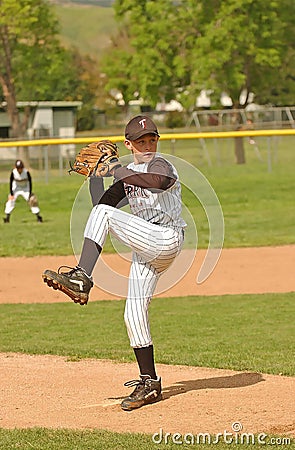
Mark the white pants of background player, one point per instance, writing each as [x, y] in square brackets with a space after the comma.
[154, 249]
[10, 204]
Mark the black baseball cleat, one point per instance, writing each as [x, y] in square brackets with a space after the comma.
[147, 391]
[39, 219]
[75, 283]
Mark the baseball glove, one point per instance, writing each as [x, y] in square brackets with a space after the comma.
[33, 200]
[96, 159]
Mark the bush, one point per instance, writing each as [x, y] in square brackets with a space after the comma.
[85, 118]
[175, 119]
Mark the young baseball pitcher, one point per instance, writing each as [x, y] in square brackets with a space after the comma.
[154, 231]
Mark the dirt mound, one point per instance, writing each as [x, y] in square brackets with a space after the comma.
[49, 391]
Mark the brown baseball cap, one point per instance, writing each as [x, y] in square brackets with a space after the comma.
[139, 126]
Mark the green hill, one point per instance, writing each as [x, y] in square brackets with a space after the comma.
[85, 26]
[86, 2]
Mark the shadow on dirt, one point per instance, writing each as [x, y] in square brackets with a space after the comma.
[228, 382]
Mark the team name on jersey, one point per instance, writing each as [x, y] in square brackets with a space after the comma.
[135, 191]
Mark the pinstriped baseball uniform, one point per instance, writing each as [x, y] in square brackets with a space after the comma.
[153, 230]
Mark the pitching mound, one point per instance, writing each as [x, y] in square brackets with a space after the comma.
[49, 391]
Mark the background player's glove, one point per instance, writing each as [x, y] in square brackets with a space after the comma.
[97, 159]
[33, 200]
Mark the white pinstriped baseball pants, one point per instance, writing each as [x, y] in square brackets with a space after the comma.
[154, 249]
[10, 204]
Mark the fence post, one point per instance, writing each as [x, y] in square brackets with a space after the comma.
[269, 167]
[46, 163]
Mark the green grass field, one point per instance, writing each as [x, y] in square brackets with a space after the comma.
[44, 439]
[258, 205]
[239, 332]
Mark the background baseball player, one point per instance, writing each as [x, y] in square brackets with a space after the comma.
[154, 232]
[20, 184]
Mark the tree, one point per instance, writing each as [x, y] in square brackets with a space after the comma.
[141, 57]
[90, 90]
[232, 46]
[34, 65]
[117, 65]
[241, 48]
[28, 40]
